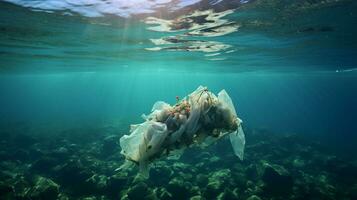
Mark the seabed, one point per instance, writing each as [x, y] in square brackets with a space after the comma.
[81, 163]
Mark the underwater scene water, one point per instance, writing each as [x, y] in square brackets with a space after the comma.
[75, 75]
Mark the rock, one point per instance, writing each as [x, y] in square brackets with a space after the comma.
[195, 190]
[6, 174]
[277, 180]
[62, 150]
[203, 155]
[197, 197]
[45, 189]
[178, 188]
[346, 171]
[61, 153]
[116, 183]
[186, 176]
[62, 196]
[97, 183]
[201, 165]
[237, 167]
[227, 195]
[252, 172]
[110, 145]
[140, 191]
[213, 188]
[216, 182]
[221, 174]
[179, 167]
[163, 194]
[124, 197]
[253, 197]
[5, 191]
[250, 184]
[73, 173]
[44, 164]
[151, 196]
[21, 187]
[240, 180]
[322, 189]
[298, 163]
[160, 175]
[214, 161]
[88, 198]
[253, 188]
[202, 180]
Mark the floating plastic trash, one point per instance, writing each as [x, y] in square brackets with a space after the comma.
[198, 118]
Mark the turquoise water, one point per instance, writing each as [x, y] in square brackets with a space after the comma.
[296, 103]
[83, 70]
[296, 59]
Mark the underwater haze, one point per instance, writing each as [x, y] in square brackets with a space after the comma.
[74, 75]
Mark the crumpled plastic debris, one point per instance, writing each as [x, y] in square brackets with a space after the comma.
[199, 117]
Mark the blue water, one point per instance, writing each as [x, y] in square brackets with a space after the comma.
[290, 66]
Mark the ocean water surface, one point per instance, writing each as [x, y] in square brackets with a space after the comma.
[74, 75]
